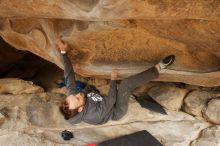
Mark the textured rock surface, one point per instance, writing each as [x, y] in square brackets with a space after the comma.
[104, 34]
[170, 97]
[31, 138]
[96, 49]
[196, 101]
[18, 86]
[212, 112]
[209, 136]
[34, 119]
[105, 9]
[129, 35]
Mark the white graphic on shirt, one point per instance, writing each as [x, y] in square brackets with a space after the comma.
[95, 97]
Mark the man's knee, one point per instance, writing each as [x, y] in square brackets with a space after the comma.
[124, 85]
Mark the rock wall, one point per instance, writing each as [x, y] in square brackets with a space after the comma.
[30, 116]
[114, 9]
[128, 35]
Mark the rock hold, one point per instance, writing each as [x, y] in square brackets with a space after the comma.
[209, 136]
[170, 97]
[18, 86]
[212, 112]
[196, 101]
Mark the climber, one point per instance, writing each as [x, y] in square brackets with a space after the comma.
[91, 107]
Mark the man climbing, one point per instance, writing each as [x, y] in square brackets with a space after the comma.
[91, 107]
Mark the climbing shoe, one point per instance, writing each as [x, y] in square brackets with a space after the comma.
[168, 60]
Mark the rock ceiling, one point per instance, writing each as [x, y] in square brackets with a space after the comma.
[130, 35]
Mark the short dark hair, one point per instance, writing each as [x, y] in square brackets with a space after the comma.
[66, 112]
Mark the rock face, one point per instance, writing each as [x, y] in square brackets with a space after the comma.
[34, 119]
[18, 86]
[196, 101]
[105, 9]
[129, 35]
[24, 138]
[209, 136]
[212, 112]
[168, 96]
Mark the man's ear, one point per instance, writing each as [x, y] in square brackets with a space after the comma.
[80, 109]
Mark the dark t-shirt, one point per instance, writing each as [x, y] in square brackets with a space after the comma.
[95, 111]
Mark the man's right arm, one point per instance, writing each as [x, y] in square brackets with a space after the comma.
[69, 74]
[68, 68]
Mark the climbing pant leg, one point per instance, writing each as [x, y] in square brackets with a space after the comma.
[127, 86]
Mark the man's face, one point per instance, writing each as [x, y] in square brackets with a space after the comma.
[75, 101]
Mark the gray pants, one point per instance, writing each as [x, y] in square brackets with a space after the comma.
[127, 86]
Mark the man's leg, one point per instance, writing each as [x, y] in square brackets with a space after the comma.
[127, 86]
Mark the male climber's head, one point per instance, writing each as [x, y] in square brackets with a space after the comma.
[73, 105]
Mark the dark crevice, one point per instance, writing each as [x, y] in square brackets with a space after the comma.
[27, 66]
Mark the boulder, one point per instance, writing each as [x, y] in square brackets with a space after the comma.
[15, 110]
[44, 112]
[212, 112]
[196, 100]
[209, 136]
[143, 90]
[18, 86]
[185, 132]
[129, 35]
[30, 138]
[170, 97]
[34, 119]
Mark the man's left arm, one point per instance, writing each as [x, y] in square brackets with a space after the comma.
[110, 100]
